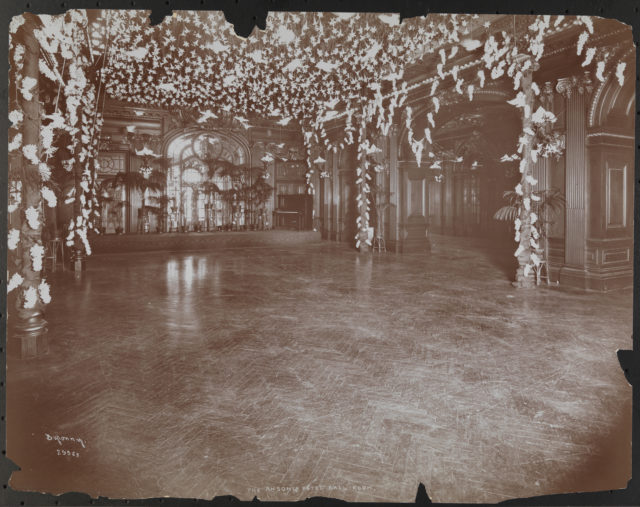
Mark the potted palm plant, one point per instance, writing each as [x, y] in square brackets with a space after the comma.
[158, 205]
[108, 207]
[546, 204]
[259, 194]
[154, 181]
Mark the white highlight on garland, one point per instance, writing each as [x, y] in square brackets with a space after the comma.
[16, 142]
[30, 151]
[16, 117]
[27, 86]
[49, 196]
[15, 281]
[44, 291]
[620, 72]
[30, 297]
[32, 217]
[12, 239]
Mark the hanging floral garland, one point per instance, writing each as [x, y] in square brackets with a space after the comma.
[72, 127]
[309, 68]
[26, 190]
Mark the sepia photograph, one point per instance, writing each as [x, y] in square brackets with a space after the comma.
[344, 256]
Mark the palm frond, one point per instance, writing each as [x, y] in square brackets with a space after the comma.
[506, 213]
[136, 181]
[551, 201]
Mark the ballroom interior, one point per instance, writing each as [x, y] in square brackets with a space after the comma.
[456, 196]
[226, 336]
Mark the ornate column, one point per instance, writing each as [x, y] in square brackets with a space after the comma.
[416, 226]
[575, 91]
[325, 187]
[448, 196]
[30, 327]
[335, 196]
[363, 203]
[525, 226]
[393, 229]
[540, 169]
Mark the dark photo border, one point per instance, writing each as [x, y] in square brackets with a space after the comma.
[244, 14]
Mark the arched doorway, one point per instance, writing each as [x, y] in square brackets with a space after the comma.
[200, 191]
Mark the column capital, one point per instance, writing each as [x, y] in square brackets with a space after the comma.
[394, 130]
[568, 86]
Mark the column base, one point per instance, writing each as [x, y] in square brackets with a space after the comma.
[78, 263]
[526, 283]
[28, 338]
[416, 239]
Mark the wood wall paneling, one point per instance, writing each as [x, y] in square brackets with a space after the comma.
[616, 196]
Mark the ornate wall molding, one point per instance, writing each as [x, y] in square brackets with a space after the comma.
[607, 95]
[138, 141]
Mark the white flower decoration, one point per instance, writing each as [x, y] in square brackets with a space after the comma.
[582, 40]
[527, 270]
[588, 57]
[16, 142]
[15, 281]
[27, 86]
[16, 117]
[30, 151]
[620, 72]
[36, 252]
[16, 22]
[12, 239]
[30, 297]
[33, 217]
[600, 71]
[534, 257]
[49, 196]
[44, 291]
[45, 171]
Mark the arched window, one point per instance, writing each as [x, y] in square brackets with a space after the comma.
[198, 192]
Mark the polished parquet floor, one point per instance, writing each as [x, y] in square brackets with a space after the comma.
[286, 373]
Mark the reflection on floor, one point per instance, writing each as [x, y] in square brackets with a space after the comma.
[316, 371]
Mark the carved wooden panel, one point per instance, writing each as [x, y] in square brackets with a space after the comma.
[415, 197]
[616, 192]
[435, 204]
[616, 255]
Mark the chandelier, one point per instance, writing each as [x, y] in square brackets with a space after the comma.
[146, 171]
[148, 157]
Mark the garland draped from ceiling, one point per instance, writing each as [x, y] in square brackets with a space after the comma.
[306, 68]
